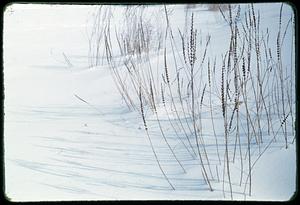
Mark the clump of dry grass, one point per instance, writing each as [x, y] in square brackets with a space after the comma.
[253, 90]
[217, 7]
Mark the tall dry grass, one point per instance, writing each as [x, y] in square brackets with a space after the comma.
[249, 88]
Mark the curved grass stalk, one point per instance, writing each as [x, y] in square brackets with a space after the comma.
[150, 141]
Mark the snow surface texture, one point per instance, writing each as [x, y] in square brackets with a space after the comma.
[68, 135]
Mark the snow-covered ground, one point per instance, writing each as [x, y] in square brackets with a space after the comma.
[57, 147]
